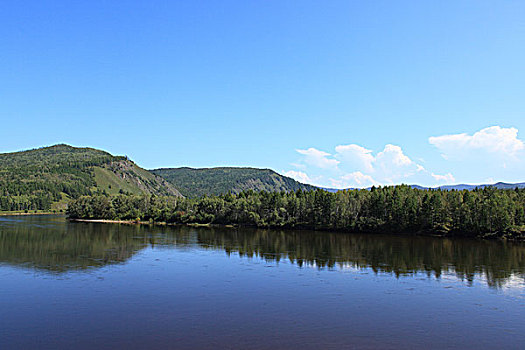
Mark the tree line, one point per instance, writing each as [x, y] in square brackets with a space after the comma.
[395, 209]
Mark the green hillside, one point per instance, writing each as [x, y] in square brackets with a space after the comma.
[47, 178]
[213, 181]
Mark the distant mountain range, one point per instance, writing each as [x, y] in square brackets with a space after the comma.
[213, 181]
[459, 187]
[499, 185]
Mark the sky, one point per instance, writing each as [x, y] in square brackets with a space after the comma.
[334, 93]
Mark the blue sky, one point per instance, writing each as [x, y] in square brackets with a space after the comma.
[335, 93]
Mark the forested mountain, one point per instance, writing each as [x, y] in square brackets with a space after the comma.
[214, 181]
[47, 178]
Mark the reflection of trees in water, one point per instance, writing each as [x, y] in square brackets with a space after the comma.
[400, 255]
[54, 245]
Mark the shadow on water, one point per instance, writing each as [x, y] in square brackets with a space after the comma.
[55, 245]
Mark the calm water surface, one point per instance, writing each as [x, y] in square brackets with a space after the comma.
[108, 286]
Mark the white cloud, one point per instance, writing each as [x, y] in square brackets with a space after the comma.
[393, 164]
[355, 155]
[318, 158]
[494, 140]
[355, 179]
[393, 155]
[356, 166]
[494, 152]
[358, 158]
[447, 178]
[298, 175]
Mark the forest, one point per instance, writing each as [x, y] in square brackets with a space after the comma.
[487, 212]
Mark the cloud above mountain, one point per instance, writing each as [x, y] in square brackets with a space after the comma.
[494, 141]
[353, 165]
[319, 159]
[491, 152]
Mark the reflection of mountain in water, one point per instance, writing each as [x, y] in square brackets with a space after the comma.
[52, 244]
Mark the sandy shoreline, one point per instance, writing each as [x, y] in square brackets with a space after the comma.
[135, 222]
[23, 214]
[113, 221]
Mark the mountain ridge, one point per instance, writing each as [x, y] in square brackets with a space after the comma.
[457, 187]
[196, 182]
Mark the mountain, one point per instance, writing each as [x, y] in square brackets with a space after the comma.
[213, 181]
[458, 187]
[461, 187]
[46, 178]
[498, 185]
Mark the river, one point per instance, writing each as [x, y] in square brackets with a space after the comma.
[67, 285]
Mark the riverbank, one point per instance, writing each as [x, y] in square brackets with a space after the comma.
[114, 221]
[138, 222]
